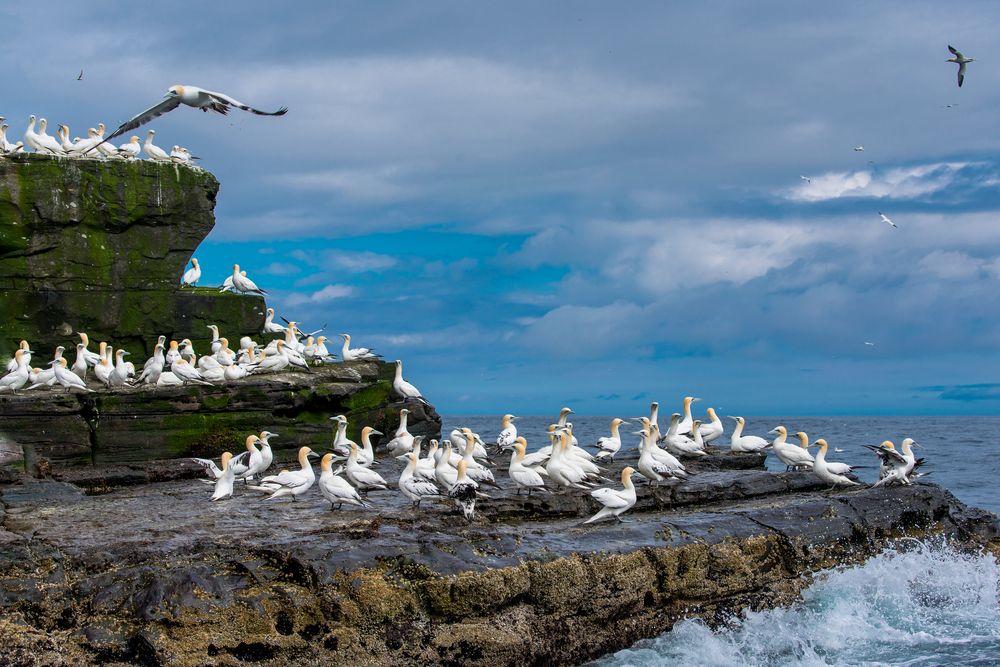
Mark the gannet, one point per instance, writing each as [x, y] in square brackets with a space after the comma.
[745, 443]
[364, 479]
[414, 488]
[47, 377]
[425, 466]
[341, 445]
[106, 149]
[181, 155]
[131, 150]
[30, 136]
[348, 354]
[211, 470]
[187, 373]
[67, 378]
[402, 442]
[713, 429]
[236, 372]
[803, 440]
[458, 438]
[894, 466]
[224, 483]
[243, 284]
[476, 471]
[886, 220]
[321, 350]
[154, 152]
[64, 142]
[335, 488]
[563, 419]
[444, 474]
[615, 502]
[292, 483]
[294, 357]
[47, 143]
[911, 460]
[961, 60]
[192, 96]
[23, 346]
[463, 492]
[523, 476]
[102, 371]
[680, 444]
[120, 373]
[224, 356]
[192, 275]
[684, 426]
[366, 455]
[263, 439]
[561, 468]
[663, 456]
[823, 471]
[806, 179]
[173, 353]
[80, 365]
[5, 145]
[186, 350]
[859, 149]
[91, 357]
[404, 388]
[270, 327]
[168, 379]
[508, 433]
[253, 460]
[649, 467]
[792, 456]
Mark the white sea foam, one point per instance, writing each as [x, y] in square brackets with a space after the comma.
[918, 604]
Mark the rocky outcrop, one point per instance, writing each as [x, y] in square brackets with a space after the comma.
[131, 425]
[157, 575]
[100, 246]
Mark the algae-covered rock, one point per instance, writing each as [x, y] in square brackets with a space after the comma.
[100, 246]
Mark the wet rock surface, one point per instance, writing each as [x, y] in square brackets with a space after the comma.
[156, 574]
[135, 425]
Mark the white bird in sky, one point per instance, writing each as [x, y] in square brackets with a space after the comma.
[154, 152]
[859, 149]
[806, 179]
[886, 219]
[192, 96]
[961, 60]
[192, 275]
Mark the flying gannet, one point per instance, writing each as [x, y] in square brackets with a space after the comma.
[961, 60]
[192, 96]
[886, 220]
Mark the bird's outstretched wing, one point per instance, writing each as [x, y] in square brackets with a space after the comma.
[168, 103]
[229, 101]
[954, 51]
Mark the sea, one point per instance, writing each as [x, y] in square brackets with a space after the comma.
[917, 604]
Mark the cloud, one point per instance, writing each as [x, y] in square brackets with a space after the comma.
[966, 392]
[281, 269]
[897, 183]
[328, 293]
[363, 261]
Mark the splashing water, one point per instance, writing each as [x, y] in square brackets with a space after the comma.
[920, 604]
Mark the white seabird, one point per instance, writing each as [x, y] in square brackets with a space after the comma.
[243, 284]
[224, 482]
[192, 96]
[523, 476]
[859, 149]
[615, 502]
[414, 488]
[824, 471]
[12, 364]
[464, 492]
[609, 445]
[131, 150]
[684, 425]
[402, 442]
[270, 327]
[364, 479]
[404, 388]
[792, 456]
[335, 488]
[713, 429]
[886, 220]
[292, 483]
[192, 275]
[68, 378]
[154, 152]
[961, 60]
[47, 143]
[348, 354]
[745, 443]
[508, 433]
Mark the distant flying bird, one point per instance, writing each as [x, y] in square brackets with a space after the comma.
[206, 100]
[886, 220]
[961, 60]
[870, 344]
[80, 78]
[950, 106]
[859, 149]
[806, 179]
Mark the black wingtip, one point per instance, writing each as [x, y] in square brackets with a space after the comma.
[280, 112]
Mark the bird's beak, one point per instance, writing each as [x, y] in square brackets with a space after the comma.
[916, 445]
[734, 419]
[695, 400]
[773, 430]
[377, 433]
[402, 457]
[126, 353]
[313, 455]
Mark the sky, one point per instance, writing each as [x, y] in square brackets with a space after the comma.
[586, 203]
